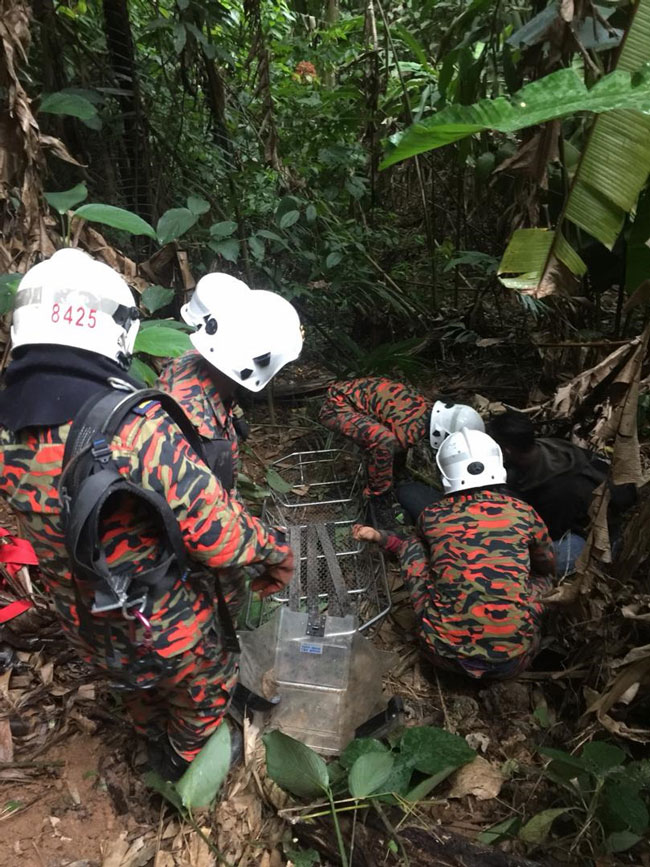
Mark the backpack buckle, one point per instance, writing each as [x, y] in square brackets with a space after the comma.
[101, 450]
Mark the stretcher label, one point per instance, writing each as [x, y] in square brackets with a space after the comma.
[311, 648]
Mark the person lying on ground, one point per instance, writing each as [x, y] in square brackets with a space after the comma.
[385, 418]
[165, 644]
[205, 380]
[477, 566]
[558, 479]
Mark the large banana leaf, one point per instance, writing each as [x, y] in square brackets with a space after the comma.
[612, 171]
[556, 95]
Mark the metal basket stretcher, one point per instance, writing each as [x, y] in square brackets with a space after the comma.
[326, 490]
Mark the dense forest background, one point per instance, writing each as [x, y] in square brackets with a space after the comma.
[252, 137]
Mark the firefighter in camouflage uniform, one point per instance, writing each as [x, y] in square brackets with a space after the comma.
[478, 566]
[73, 332]
[205, 381]
[385, 418]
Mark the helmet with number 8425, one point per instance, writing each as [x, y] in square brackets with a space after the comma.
[71, 299]
[470, 459]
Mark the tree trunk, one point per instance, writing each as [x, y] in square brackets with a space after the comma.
[134, 161]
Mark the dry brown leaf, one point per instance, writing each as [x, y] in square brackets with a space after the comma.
[6, 742]
[478, 778]
[46, 673]
[113, 851]
[164, 859]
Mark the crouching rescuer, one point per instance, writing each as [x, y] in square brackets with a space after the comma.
[477, 567]
[132, 530]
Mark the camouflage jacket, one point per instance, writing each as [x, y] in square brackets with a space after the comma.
[187, 379]
[396, 406]
[152, 452]
[476, 553]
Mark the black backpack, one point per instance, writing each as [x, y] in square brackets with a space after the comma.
[91, 480]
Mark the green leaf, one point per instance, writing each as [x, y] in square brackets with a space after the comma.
[537, 829]
[63, 201]
[168, 323]
[223, 229]
[637, 265]
[174, 223]
[143, 371]
[621, 841]
[197, 205]
[311, 213]
[556, 95]
[601, 757]
[432, 750]
[155, 297]
[70, 104]
[360, 747]
[294, 766]
[256, 247]
[200, 783]
[400, 777]
[117, 218]
[622, 806]
[162, 341]
[500, 831]
[163, 787]
[180, 37]
[272, 236]
[247, 488]
[333, 259]
[369, 772]
[302, 857]
[288, 219]
[276, 482]
[8, 287]
[423, 788]
[229, 249]
[564, 758]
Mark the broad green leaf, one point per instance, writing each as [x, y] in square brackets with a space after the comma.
[637, 264]
[621, 841]
[623, 807]
[422, 789]
[432, 750]
[70, 104]
[287, 220]
[537, 829]
[200, 783]
[359, 747]
[601, 757]
[229, 249]
[294, 766]
[162, 341]
[527, 256]
[180, 37]
[369, 773]
[174, 223]
[556, 95]
[8, 286]
[333, 259]
[399, 780]
[256, 247]
[168, 323]
[276, 482]
[197, 205]
[247, 488]
[63, 201]
[272, 236]
[117, 218]
[563, 758]
[143, 371]
[223, 229]
[500, 831]
[302, 857]
[155, 297]
[311, 213]
[163, 787]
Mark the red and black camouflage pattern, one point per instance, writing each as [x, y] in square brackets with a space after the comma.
[188, 380]
[218, 533]
[476, 571]
[382, 416]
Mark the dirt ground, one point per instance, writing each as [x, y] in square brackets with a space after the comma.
[71, 789]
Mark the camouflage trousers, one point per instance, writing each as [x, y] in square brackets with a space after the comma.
[464, 659]
[378, 441]
[189, 703]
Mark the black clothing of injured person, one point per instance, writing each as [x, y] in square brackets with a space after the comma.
[556, 477]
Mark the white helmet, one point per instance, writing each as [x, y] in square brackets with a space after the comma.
[470, 459]
[250, 337]
[72, 300]
[213, 289]
[447, 418]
